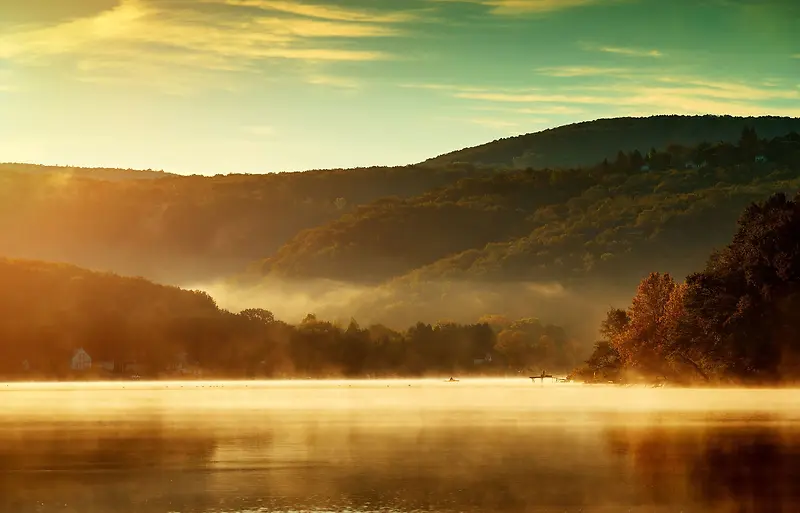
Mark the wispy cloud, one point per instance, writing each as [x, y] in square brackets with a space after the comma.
[201, 39]
[529, 97]
[327, 12]
[443, 87]
[680, 95]
[582, 71]
[727, 90]
[512, 7]
[535, 111]
[631, 52]
[334, 81]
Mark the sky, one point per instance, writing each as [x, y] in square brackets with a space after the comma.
[253, 86]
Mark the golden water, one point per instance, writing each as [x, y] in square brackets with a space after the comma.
[401, 445]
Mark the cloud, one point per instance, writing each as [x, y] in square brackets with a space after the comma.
[729, 90]
[334, 81]
[444, 87]
[582, 71]
[324, 11]
[541, 109]
[513, 7]
[528, 97]
[651, 94]
[631, 52]
[220, 39]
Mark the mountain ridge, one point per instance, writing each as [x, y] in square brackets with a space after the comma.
[536, 149]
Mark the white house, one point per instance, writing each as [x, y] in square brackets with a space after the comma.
[81, 361]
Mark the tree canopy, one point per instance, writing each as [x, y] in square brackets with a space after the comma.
[608, 223]
[734, 321]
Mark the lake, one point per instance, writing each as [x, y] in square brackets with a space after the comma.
[396, 446]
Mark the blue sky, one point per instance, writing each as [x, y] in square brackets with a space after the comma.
[222, 86]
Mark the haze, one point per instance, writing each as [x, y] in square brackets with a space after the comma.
[399, 256]
[395, 445]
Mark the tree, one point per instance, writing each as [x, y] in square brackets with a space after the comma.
[644, 341]
[636, 160]
[258, 315]
[622, 163]
[614, 325]
[737, 307]
[749, 143]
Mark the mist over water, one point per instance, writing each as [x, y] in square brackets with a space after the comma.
[396, 445]
[400, 305]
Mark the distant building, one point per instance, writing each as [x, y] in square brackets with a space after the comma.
[81, 361]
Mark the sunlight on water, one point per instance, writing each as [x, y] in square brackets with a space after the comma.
[395, 446]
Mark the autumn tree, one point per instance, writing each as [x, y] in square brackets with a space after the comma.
[605, 363]
[642, 343]
[740, 309]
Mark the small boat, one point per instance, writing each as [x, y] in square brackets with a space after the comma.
[452, 380]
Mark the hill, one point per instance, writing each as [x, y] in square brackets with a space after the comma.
[421, 242]
[561, 243]
[184, 228]
[585, 144]
[131, 325]
[96, 173]
[562, 225]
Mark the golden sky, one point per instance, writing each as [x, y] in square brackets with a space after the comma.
[223, 86]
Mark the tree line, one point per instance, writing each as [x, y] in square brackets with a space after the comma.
[52, 310]
[584, 144]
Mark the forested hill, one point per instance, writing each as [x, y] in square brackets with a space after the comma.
[584, 144]
[184, 228]
[96, 173]
[132, 326]
[371, 225]
[606, 223]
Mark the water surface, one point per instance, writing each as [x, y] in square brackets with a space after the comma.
[396, 446]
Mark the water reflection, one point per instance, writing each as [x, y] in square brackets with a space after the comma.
[155, 457]
[748, 468]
